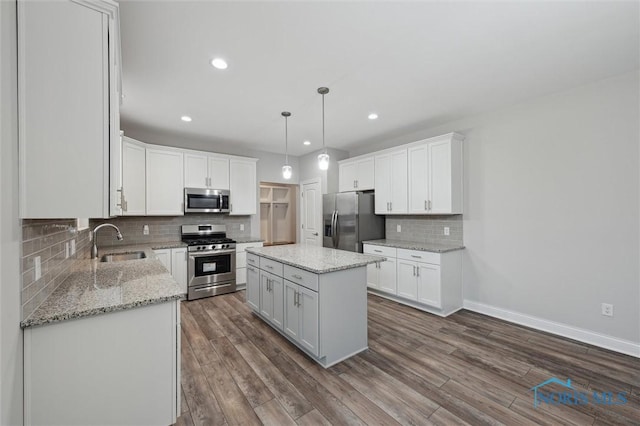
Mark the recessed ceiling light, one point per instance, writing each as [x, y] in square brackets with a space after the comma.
[219, 63]
[306, 143]
[372, 116]
[185, 118]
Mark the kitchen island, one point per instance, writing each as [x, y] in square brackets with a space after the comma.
[104, 347]
[316, 297]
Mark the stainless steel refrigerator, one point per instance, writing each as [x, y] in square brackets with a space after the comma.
[349, 220]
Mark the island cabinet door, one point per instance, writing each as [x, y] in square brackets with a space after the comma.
[253, 288]
[309, 320]
[387, 278]
[373, 275]
[266, 297]
[277, 290]
[291, 312]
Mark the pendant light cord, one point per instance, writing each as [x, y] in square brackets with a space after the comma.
[323, 145]
[286, 141]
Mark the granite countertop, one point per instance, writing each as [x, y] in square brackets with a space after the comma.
[318, 260]
[94, 287]
[409, 245]
[242, 240]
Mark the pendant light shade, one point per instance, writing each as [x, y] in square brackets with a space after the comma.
[287, 170]
[323, 159]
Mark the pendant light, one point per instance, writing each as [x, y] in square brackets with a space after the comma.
[286, 169]
[323, 159]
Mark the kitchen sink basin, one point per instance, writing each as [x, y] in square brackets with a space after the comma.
[119, 257]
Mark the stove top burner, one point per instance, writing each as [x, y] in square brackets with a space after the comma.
[207, 241]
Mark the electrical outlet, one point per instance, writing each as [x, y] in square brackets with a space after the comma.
[66, 250]
[398, 228]
[607, 309]
[38, 267]
[446, 230]
[242, 226]
[145, 230]
[73, 247]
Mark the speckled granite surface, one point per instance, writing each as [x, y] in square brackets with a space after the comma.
[94, 287]
[409, 245]
[318, 260]
[242, 240]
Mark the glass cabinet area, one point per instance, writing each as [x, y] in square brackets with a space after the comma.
[278, 213]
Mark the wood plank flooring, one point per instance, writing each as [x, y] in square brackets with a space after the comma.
[420, 369]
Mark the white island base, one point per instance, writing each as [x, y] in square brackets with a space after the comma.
[323, 314]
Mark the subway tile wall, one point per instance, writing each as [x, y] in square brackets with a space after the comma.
[425, 229]
[47, 238]
[165, 228]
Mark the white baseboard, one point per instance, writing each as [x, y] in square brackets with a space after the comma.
[612, 343]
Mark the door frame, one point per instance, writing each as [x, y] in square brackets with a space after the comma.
[301, 184]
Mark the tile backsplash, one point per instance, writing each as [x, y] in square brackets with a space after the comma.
[163, 228]
[48, 240]
[425, 229]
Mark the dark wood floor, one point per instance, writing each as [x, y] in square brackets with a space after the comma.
[420, 369]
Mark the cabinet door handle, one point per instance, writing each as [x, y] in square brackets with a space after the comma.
[425, 205]
[417, 257]
[295, 298]
[315, 233]
[429, 205]
[414, 271]
[417, 271]
[391, 205]
[251, 269]
[268, 266]
[230, 207]
[378, 251]
[296, 276]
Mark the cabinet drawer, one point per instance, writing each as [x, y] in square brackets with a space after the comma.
[271, 266]
[419, 256]
[379, 250]
[299, 276]
[252, 259]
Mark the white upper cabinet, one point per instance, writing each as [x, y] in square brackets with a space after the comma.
[202, 170]
[133, 196]
[356, 174]
[68, 107]
[242, 186]
[164, 181]
[391, 182]
[435, 176]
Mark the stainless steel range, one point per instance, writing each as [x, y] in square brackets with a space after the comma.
[212, 260]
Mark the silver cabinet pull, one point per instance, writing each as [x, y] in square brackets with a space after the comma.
[295, 298]
[414, 271]
[378, 251]
[251, 269]
[268, 266]
[391, 205]
[315, 233]
[417, 271]
[417, 257]
[354, 183]
[425, 205]
[429, 204]
[298, 277]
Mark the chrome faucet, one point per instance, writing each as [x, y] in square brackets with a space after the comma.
[94, 248]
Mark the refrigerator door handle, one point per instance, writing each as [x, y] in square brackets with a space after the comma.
[334, 226]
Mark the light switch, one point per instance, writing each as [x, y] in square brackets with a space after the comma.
[398, 228]
[242, 226]
[446, 230]
[38, 267]
[145, 230]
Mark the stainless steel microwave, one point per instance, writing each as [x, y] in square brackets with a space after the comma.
[202, 200]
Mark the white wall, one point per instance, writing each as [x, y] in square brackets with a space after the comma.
[552, 192]
[10, 231]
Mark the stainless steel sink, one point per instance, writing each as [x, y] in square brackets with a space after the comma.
[119, 257]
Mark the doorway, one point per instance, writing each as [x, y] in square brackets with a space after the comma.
[278, 216]
[311, 212]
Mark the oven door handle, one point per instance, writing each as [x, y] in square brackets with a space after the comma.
[209, 287]
[209, 253]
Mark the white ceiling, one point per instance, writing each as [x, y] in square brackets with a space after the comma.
[416, 64]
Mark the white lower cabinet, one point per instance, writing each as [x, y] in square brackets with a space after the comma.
[253, 288]
[241, 262]
[271, 298]
[110, 369]
[325, 314]
[301, 315]
[175, 260]
[425, 280]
